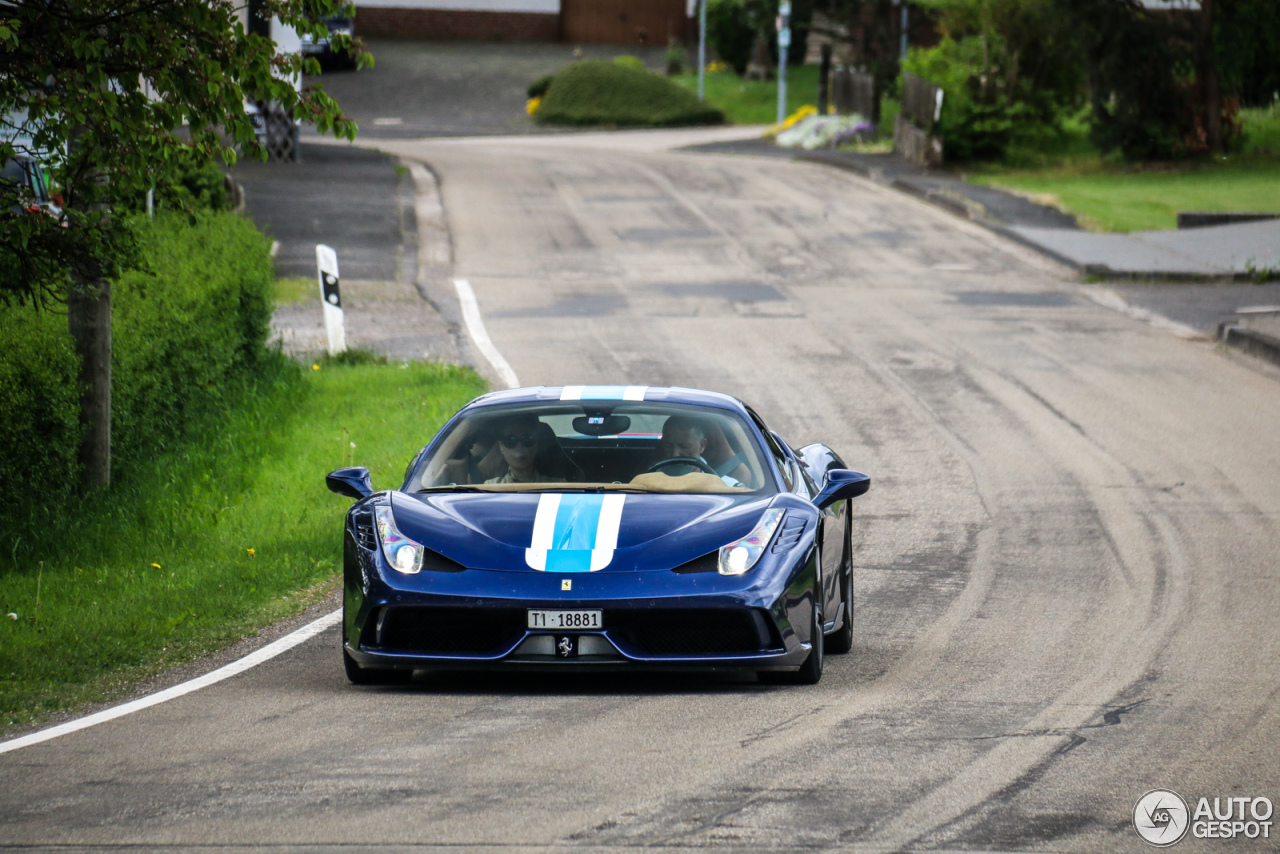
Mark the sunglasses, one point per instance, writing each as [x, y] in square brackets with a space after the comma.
[518, 441]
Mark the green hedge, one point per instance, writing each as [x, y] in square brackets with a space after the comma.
[183, 332]
[593, 92]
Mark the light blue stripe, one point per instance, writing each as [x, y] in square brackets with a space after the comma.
[571, 560]
[603, 392]
[577, 522]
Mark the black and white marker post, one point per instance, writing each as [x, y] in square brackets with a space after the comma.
[327, 265]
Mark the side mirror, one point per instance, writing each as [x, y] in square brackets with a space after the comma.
[352, 482]
[839, 485]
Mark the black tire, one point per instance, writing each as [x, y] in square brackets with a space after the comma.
[840, 641]
[810, 673]
[358, 675]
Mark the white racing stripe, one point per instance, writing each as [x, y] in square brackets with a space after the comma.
[253, 659]
[475, 326]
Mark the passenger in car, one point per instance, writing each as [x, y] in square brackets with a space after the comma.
[519, 441]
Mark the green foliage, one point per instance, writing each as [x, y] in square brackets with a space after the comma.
[675, 58]
[754, 102]
[187, 183]
[105, 85]
[39, 431]
[353, 356]
[539, 87]
[732, 27]
[1135, 59]
[160, 571]
[633, 62]
[1009, 69]
[592, 92]
[185, 331]
[730, 33]
[1247, 38]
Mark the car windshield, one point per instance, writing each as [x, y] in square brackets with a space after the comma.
[596, 446]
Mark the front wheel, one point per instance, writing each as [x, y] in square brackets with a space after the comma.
[810, 673]
[841, 640]
[358, 675]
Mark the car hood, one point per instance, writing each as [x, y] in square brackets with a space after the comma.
[575, 532]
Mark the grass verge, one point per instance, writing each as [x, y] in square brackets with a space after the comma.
[212, 540]
[286, 289]
[1066, 171]
[754, 102]
[1149, 198]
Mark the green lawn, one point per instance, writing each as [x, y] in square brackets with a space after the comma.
[212, 540]
[754, 102]
[1108, 196]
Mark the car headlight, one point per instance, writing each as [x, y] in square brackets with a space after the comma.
[402, 553]
[736, 558]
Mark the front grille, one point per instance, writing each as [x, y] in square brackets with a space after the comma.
[449, 631]
[792, 528]
[686, 631]
[364, 530]
[709, 562]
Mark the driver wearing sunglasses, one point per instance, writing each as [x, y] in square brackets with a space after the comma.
[518, 442]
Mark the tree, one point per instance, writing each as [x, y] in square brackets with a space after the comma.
[107, 92]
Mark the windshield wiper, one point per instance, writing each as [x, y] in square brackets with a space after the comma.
[455, 487]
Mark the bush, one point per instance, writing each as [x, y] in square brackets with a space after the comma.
[539, 87]
[184, 331]
[729, 33]
[188, 184]
[592, 92]
[39, 431]
[630, 62]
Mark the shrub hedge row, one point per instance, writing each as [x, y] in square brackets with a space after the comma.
[184, 330]
[593, 92]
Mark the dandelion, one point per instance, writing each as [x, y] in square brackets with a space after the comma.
[251, 552]
[532, 106]
[715, 66]
[315, 367]
[156, 565]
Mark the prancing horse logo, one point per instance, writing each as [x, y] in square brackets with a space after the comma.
[565, 647]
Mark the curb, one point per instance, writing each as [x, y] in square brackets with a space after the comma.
[976, 213]
[1250, 341]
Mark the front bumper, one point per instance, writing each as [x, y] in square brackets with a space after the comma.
[651, 620]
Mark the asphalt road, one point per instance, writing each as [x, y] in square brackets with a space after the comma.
[1066, 568]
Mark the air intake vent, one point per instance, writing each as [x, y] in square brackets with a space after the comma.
[436, 562]
[707, 563]
[451, 631]
[792, 528]
[364, 531]
[692, 631]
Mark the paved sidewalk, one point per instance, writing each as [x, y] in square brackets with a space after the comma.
[1239, 251]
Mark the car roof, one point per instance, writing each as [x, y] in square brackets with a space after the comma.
[649, 394]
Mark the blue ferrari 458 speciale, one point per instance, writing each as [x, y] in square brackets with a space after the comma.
[589, 527]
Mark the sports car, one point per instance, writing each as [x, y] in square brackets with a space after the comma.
[601, 527]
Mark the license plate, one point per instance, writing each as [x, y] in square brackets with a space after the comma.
[564, 619]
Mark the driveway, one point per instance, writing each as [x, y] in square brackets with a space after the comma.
[418, 89]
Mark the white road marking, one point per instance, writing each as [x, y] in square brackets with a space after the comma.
[253, 659]
[475, 326]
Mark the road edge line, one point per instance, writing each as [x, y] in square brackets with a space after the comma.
[253, 659]
[479, 335]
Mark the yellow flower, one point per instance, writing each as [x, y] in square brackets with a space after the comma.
[715, 66]
[251, 552]
[532, 106]
[800, 115]
[156, 565]
[315, 367]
